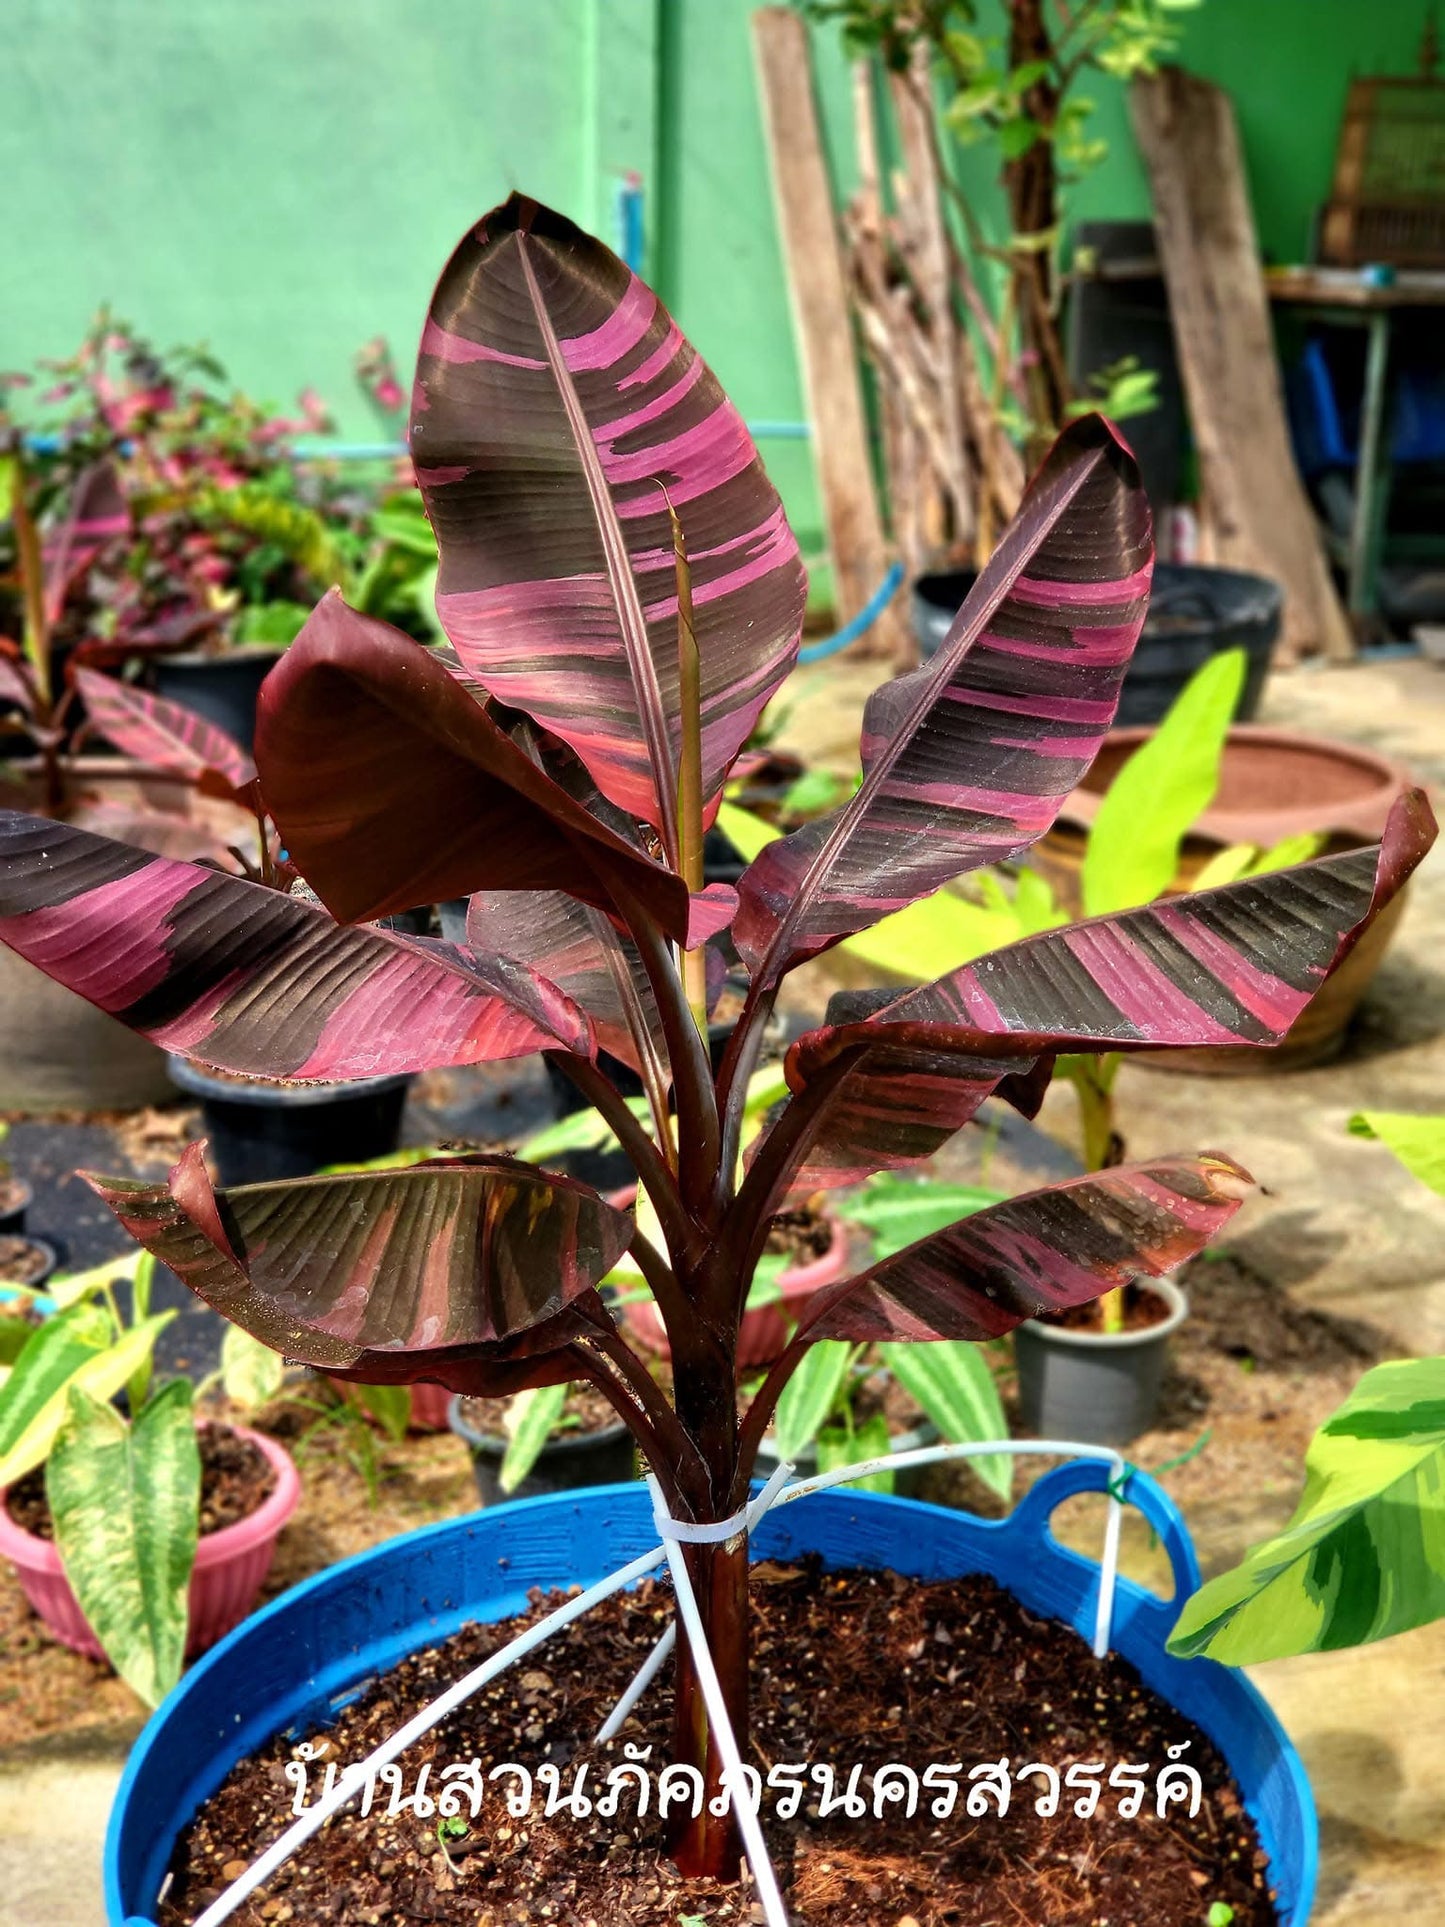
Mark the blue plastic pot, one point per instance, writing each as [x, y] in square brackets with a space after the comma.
[312, 1649]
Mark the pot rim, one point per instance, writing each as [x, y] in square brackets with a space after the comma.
[233, 652]
[917, 1436]
[27, 1192]
[40, 1244]
[27, 1549]
[1361, 816]
[569, 1445]
[1164, 1288]
[197, 1083]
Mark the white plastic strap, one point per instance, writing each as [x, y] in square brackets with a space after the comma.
[674, 1533]
[671, 1528]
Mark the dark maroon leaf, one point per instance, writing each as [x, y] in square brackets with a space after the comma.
[392, 786]
[967, 760]
[166, 735]
[1045, 1251]
[1235, 965]
[417, 1267]
[96, 514]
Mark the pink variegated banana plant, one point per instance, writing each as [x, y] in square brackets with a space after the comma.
[571, 445]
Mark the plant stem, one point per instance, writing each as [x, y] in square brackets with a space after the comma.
[708, 1847]
[689, 767]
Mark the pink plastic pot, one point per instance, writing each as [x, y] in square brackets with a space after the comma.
[228, 1573]
[766, 1329]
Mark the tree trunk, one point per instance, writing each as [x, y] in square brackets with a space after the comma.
[1031, 185]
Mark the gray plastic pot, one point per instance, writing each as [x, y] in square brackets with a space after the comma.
[906, 1484]
[1100, 1388]
[571, 1459]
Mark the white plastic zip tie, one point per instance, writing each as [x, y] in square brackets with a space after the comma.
[723, 1735]
[775, 1492]
[647, 1672]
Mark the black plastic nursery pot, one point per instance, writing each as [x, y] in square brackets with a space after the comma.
[1098, 1388]
[48, 1256]
[221, 688]
[259, 1133]
[16, 1198]
[570, 1460]
[1194, 613]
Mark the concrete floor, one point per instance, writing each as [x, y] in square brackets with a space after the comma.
[1335, 1218]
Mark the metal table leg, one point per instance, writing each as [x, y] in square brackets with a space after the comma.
[1371, 479]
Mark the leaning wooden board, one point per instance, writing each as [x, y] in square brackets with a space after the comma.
[813, 259]
[1255, 503]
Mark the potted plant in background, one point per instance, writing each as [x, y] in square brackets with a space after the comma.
[392, 784]
[139, 1538]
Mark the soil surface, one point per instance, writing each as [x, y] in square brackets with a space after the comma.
[12, 1195]
[22, 1262]
[586, 1407]
[1142, 1308]
[802, 1235]
[849, 1668]
[236, 1480]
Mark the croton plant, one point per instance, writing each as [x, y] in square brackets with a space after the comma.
[623, 595]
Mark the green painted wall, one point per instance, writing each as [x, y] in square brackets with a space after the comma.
[284, 177]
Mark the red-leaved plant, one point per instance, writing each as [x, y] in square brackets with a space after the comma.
[623, 594]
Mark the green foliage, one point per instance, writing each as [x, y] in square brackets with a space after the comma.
[952, 1385]
[1364, 1555]
[84, 1347]
[126, 1503]
[1133, 848]
[532, 1418]
[1417, 1141]
[251, 1373]
[810, 1395]
[846, 1444]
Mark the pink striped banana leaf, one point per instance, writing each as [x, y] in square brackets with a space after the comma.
[575, 947]
[441, 1271]
[968, 759]
[1045, 1251]
[1233, 965]
[558, 410]
[254, 981]
[168, 737]
[392, 786]
[96, 515]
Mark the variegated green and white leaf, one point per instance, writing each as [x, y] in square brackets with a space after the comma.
[77, 1347]
[1364, 1554]
[251, 1373]
[952, 1385]
[126, 1500]
[807, 1400]
[531, 1420]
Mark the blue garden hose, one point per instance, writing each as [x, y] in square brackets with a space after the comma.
[861, 623]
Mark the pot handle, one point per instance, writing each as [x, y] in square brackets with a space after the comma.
[1031, 1517]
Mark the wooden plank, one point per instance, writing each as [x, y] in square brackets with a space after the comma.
[1261, 517]
[817, 286]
